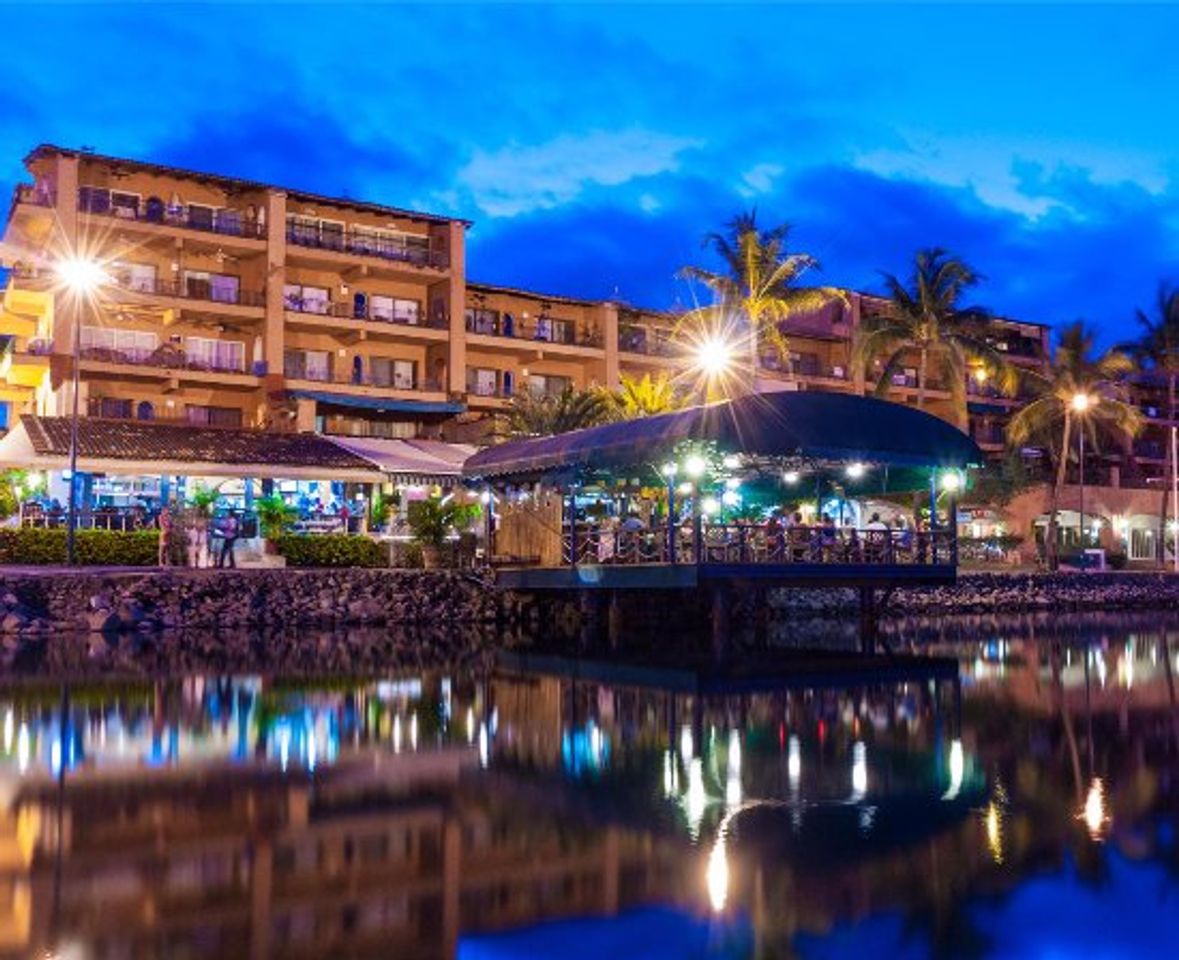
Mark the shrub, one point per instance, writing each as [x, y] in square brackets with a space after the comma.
[332, 550]
[114, 548]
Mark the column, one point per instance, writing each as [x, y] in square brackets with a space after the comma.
[276, 258]
[456, 366]
[66, 185]
[607, 317]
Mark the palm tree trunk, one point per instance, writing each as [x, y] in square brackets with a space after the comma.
[921, 379]
[1050, 550]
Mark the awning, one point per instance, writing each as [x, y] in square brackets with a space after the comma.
[422, 462]
[833, 427]
[125, 447]
[382, 404]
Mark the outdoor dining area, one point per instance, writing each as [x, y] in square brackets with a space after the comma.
[786, 485]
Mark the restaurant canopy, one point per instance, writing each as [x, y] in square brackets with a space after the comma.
[786, 426]
[123, 447]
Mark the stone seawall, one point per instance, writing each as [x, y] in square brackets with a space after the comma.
[1000, 593]
[66, 601]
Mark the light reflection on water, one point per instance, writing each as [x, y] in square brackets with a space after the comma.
[572, 810]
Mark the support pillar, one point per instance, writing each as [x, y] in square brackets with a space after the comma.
[721, 620]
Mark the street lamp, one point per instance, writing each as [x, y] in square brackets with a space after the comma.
[1081, 402]
[82, 277]
[714, 355]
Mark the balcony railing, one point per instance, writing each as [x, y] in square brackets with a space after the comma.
[403, 250]
[355, 311]
[751, 543]
[221, 418]
[803, 367]
[38, 194]
[226, 222]
[169, 358]
[538, 329]
[190, 289]
[366, 379]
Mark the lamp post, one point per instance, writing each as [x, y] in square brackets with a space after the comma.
[81, 277]
[1081, 402]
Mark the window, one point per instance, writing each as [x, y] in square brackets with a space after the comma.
[554, 331]
[94, 199]
[548, 385]
[197, 285]
[224, 288]
[404, 374]
[307, 364]
[200, 216]
[482, 320]
[406, 311]
[483, 382]
[331, 234]
[382, 308]
[110, 408]
[305, 299]
[228, 222]
[209, 354]
[303, 230]
[125, 205]
[207, 416]
[126, 346]
[135, 276]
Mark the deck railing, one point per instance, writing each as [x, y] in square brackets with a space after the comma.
[759, 544]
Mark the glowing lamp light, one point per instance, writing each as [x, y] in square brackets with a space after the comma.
[1081, 402]
[695, 466]
[731, 462]
[790, 476]
[951, 481]
[1093, 813]
[714, 355]
[485, 497]
[980, 374]
[80, 275]
[669, 470]
[730, 498]
[710, 506]
[717, 875]
[684, 488]
[855, 470]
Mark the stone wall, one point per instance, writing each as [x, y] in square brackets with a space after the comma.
[1001, 593]
[42, 604]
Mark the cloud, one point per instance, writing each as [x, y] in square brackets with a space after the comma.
[519, 179]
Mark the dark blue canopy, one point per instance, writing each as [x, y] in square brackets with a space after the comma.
[831, 427]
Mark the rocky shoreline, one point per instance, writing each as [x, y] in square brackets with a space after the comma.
[267, 600]
[998, 593]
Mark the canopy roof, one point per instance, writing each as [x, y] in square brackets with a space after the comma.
[831, 427]
[411, 461]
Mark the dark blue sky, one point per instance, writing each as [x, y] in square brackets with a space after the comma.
[594, 146]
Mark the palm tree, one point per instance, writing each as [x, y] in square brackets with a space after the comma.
[924, 320]
[1048, 419]
[1157, 350]
[643, 397]
[533, 414]
[758, 288]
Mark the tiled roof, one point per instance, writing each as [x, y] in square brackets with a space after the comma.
[144, 440]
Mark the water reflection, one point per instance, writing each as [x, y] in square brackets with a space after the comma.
[578, 809]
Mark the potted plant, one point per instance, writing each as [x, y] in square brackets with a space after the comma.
[432, 521]
[274, 517]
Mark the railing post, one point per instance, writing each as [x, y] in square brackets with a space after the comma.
[671, 524]
[933, 517]
[697, 527]
[952, 529]
[572, 528]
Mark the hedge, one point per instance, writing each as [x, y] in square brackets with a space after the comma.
[93, 548]
[332, 550]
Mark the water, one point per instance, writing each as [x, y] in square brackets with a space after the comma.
[1018, 801]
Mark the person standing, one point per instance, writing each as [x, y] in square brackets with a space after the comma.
[230, 529]
[165, 540]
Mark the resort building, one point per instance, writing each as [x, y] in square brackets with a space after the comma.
[238, 305]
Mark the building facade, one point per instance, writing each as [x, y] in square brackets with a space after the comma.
[240, 304]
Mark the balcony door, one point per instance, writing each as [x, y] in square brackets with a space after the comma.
[224, 288]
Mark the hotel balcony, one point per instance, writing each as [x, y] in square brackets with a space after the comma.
[535, 334]
[22, 367]
[241, 228]
[806, 368]
[640, 344]
[364, 320]
[222, 418]
[169, 363]
[342, 387]
[342, 247]
[226, 297]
